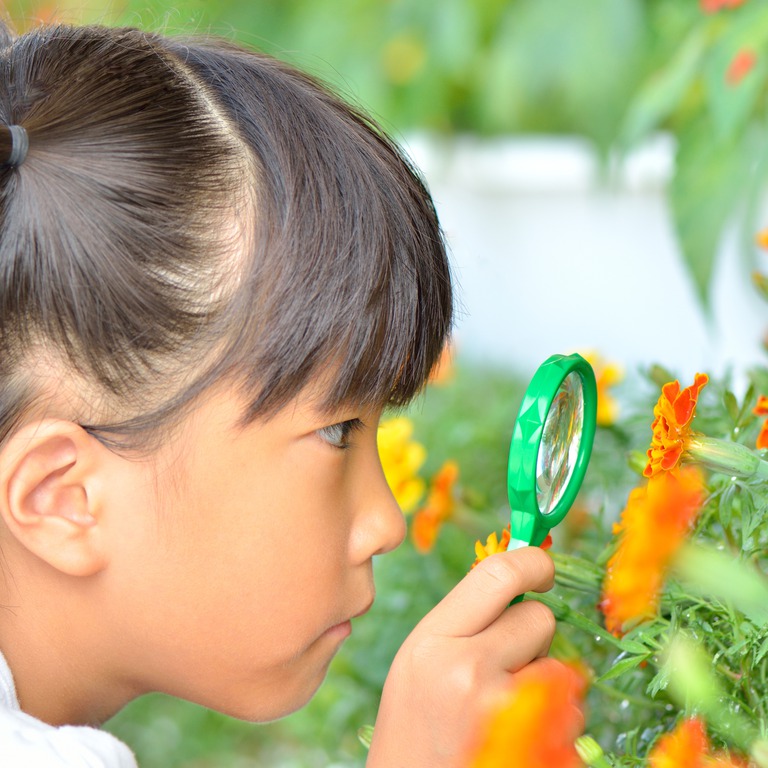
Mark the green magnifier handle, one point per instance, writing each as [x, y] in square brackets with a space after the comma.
[550, 447]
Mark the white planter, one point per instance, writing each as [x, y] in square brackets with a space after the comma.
[550, 260]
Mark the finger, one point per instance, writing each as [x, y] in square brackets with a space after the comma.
[520, 635]
[485, 592]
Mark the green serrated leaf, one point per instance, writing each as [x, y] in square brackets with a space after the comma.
[365, 735]
[624, 665]
[760, 655]
[731, 405]
[659, 683]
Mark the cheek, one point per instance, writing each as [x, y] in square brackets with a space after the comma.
[276, 538]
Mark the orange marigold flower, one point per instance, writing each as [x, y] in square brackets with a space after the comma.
[713, 6]
[402, 458]
[440, 505]
[493, 545]
[535, 723]
[741, 65]
[685, 747]
[606, 376]
[688, 747]
[443, 370]
[761, 409]
[657, 518]
[671, 426]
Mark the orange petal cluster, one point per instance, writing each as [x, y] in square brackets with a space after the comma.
[688, 747]
[493, 545]
[443, 371]
[673, 414]
[654, 525]
[536, 723]
[761, 409]
[713, 6]
[439, 507]
[741, 65]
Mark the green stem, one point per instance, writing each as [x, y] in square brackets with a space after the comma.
[563, 612]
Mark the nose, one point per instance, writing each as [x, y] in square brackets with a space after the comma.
[380, 525]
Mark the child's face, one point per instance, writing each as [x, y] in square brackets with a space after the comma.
[237, 590]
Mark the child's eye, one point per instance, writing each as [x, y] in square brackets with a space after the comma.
[338, 435]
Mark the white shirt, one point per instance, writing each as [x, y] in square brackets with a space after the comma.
[26, 742]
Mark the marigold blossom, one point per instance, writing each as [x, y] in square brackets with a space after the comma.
[402, 458]
[536, 723]
[607, 375]
[741, 65]
[761, 409]
[443, 370]
[493, 545]
[713, 6]
[673, 414]
[439, 507]
[653, 526]
[687, 746]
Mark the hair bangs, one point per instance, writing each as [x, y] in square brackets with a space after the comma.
[347, 276]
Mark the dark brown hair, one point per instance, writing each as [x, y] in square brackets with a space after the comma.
[190, 210]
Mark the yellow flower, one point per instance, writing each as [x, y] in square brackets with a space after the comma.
[402, 458]
[440, 505]
[492, 546]
[536, 723]
[655, 523]
[671, 426]
[607, 375]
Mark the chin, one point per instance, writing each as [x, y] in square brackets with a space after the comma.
[283, 699]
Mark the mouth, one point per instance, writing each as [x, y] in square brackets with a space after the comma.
[364, 610]
[344, 628]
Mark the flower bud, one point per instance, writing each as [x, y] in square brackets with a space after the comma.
[591, 753]
[726, 457]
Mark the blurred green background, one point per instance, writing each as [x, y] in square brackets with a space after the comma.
[612, 72]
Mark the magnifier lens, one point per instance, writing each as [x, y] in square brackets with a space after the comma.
[559, 449]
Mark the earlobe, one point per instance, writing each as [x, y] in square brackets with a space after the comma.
[46, 495]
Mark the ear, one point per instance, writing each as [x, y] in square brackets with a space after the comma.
[49, 495]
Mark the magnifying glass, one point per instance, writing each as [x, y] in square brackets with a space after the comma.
[550, 447]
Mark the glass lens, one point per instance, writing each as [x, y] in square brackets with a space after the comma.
[559, 447]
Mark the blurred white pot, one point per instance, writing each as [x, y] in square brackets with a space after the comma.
[550, 260]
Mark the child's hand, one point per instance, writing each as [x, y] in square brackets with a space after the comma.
[459, 659]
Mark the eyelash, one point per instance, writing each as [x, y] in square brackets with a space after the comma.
[338, 435]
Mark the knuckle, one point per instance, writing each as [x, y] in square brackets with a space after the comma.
[462, 679]
[499, 574]
[542, 618]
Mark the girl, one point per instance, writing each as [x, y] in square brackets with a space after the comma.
[214, 276]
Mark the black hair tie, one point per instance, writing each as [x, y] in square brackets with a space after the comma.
[14, 144]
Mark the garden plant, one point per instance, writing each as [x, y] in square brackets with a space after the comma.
[662, 564]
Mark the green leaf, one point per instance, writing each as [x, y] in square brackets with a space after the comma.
[731, 405]
[715, 574]
[732, 104]
[624, 665]
[708, 184]
[365, 735]
[662, 94]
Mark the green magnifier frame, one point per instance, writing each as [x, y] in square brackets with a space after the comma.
[550, 447]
